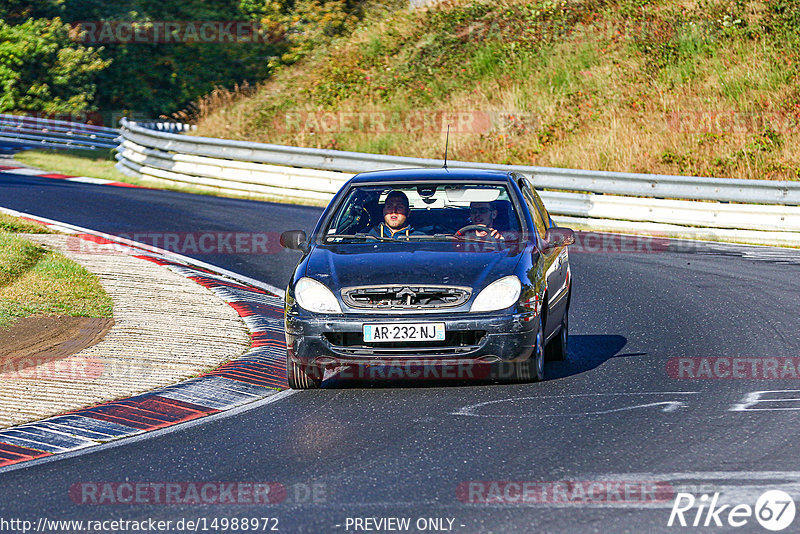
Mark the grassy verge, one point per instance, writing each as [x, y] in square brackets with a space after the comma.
[76, 162]
[17, 225]
[701, 87]
[96, 164]
[37, 281]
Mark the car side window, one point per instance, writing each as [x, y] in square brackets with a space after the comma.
[548, 223]
[536, 215]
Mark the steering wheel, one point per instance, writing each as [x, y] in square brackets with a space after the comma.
[365, 213]
[357, 218]
[476, 228]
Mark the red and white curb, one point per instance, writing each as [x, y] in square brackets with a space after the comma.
[259, 373]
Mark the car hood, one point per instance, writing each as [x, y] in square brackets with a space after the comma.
[361, 264]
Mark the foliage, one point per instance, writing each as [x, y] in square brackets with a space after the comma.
[18, 11]
[782, 21]
[151, 78]
[304, 24]
[673, 34]
[41, 69]
[155, 78]
[449, 47]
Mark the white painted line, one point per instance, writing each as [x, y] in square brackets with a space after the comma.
[32, 444]
[73, 430]
[758, 397]
[80, 423]
[28, 172]
[669, 406]
[214, 392]
[89, 180]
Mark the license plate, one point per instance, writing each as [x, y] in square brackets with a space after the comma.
[378, 333]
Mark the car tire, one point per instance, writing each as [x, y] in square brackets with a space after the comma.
[532, 369]
[537, 359]
[301, 377]
[557, 348]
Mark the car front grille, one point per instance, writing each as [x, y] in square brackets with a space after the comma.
[405, 297]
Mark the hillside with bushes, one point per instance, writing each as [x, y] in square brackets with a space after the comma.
[699, 87]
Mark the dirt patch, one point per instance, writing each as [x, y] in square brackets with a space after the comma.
[50, 338]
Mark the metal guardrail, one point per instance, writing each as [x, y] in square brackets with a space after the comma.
[756, 210]
[170, 127]
[35, 132]
[651, 185]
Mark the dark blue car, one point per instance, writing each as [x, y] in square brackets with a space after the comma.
[429, 268]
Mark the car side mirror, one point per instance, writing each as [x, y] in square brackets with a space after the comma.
[558, 237]
[294, 239]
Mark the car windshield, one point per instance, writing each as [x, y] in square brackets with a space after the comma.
[431, 211]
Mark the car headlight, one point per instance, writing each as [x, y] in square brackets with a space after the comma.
[315, 296]
[498, 295]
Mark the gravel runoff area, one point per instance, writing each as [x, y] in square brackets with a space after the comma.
[166, 328]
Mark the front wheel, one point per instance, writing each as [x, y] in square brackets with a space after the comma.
[557, 348]
[536, 361]
[302, 377]
[532, 369]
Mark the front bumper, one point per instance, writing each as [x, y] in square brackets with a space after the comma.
[332, 340]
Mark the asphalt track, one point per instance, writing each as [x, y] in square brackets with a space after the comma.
[614, 412]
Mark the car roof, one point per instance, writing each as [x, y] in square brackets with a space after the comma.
[444, 175]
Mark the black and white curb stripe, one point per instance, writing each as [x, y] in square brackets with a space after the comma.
[257, 374]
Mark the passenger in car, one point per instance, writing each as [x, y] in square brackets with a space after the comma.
[482, 214]
[395, 218]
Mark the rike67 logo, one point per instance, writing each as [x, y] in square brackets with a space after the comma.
[774, 510]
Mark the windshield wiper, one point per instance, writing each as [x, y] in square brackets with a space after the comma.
[436, 237]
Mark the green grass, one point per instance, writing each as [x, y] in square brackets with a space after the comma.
[488, 61]
[18, 256]
[90, 163]
[15, 224]
[38, 281]
[76, 162]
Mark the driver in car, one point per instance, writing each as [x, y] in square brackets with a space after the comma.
[395, 218]
[482, 214]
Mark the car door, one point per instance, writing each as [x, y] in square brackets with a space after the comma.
[559, 292]
[554, 259]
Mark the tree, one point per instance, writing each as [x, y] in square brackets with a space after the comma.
[43, 69]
